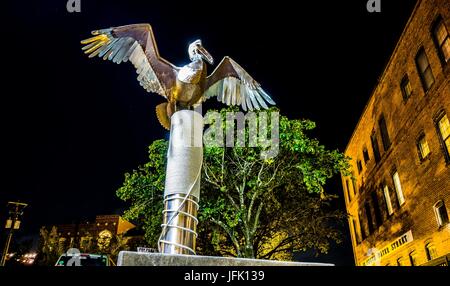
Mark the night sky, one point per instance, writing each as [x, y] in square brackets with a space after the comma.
[72, 126]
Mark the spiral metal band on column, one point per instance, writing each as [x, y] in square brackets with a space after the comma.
[180, 224]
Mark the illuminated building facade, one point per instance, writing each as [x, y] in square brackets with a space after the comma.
[398, 198]
[83, 235]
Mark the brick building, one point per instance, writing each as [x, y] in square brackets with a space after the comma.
[83, 235]
[398, 198]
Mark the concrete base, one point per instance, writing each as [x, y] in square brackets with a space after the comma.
[130, 258]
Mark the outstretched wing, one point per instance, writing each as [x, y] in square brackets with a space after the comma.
[234, 86]
[137, 44]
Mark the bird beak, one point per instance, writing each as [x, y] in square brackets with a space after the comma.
[205, 55]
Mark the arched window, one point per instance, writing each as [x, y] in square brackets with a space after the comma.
[431, 251]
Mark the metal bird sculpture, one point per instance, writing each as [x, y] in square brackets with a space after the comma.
[182, 87]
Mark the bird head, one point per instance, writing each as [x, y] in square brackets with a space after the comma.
[196, 49]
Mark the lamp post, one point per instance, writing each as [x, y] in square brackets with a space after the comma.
[12, 223]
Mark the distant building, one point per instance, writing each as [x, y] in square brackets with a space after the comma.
[398, 198]
[82, 235]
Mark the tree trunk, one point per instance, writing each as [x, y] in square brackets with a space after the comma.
[247, 250]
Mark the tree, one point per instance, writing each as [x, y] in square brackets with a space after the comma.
[48, 246]
[112, 245]
[251, 206]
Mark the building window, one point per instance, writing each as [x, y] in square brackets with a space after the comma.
[376, 150]
[398, 188]
[376, 208]
[400, 262]
[413, 258]
[355, 231]
[443, 126]
[422, 146]
[359, 165]
[361, 226]
[355, 187]
[369, 217]
[349, 197]
[387, 199]
[405, 85]
[384, 133]
[442, 40]
[430, 251]
[441, 213]
[424, 68]
[366, 155]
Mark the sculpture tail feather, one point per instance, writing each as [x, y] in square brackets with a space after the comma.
[164, 111]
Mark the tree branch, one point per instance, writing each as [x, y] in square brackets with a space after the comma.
[230, 234]
[266, 256]
[283, 242]
[256, 221]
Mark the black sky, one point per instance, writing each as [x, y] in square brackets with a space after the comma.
[72, 126]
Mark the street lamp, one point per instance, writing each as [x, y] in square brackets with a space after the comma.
[12, 223]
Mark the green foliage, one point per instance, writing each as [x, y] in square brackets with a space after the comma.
[52, 245]
[49, 249]
[250, 206]
[144, 189]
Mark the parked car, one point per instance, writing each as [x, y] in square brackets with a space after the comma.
[83, 259]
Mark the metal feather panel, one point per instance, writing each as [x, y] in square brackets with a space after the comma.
[228, 88]
[259, 99]
[107, 48]
[233, 90]
[252, 98]
[249, 103]
[124, 50]
[237, 87]
[238, 92]
[146, 76]
[266, 96]
[134, 43]
[243, 97]
[88, 46]
[116, 48]
[130, 51]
